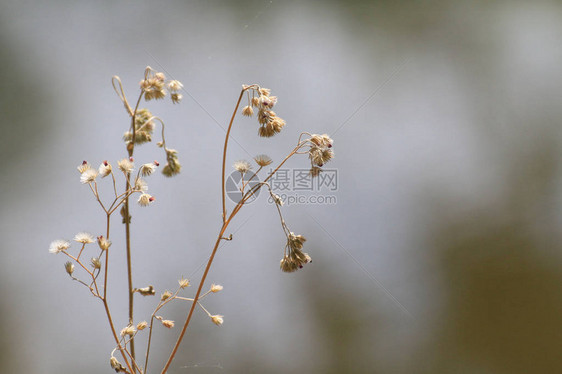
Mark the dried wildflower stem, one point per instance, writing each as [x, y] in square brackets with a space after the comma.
[244, 89]
[128, 228]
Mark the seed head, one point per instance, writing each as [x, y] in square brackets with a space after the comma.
[103, 243]
[84, 238]
[95, 262]
[262, 160]
[174, 86]
[147, 169]
[217, 319]
[104, 169]
[176, 97]
[216, 288]
[166, 295]
[140, 185]
[126, 165]
[58, 246]
[146, 291]
[168, 324]
[88, 176]
[83, 166]
[145, 199]
[242, 166]
[247, 111]
[183, 283]
[129, 330]
[142, 325]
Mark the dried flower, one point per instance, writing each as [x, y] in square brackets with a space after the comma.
[142, 325]
[58, 246]
[217, 319]
[147, 169]
[69, 267]
[84, 237]
[174, 86]
[167, 323]
[104, 169]
[216, 288]
[173, 166]
[146, 291]
[183, 283]
[247, 111]
[176, 97]
[88, 176]
[294, 257]
[320, 150]
[126, 165]
[242, 166]
[262, 160]
[129, 330]
[95, 262]
[166, 295]
[103, 243]
[116, 365]
[83, 166]
[140, 185]
[145, 199]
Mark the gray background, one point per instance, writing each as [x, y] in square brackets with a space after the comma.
[442, 253]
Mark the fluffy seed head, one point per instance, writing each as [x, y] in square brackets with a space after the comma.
[147, 169]
[145, 199]
[126, 165]
[84, 238]
[88, 176]
[104, 169]
[242, 166]
[58, 246]
[174, 85]
[263, 160]
[83, 167]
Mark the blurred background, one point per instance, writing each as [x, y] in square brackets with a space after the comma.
[441, 254]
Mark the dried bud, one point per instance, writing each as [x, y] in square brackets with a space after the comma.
[69, 267]
[216, 288]
[176, 97]
[83, 167]
[103, 243]
[166, 295]
[95, 262]
[116, 365]
[129, 330]
[183, 283]
[217, 319]
[104, 169]
[142, 325]
[168, 324]
[247, 111]
[146, 291]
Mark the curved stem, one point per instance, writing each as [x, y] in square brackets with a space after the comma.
[224, 154]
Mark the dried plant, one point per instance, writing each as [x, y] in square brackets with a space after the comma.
[94, 271]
